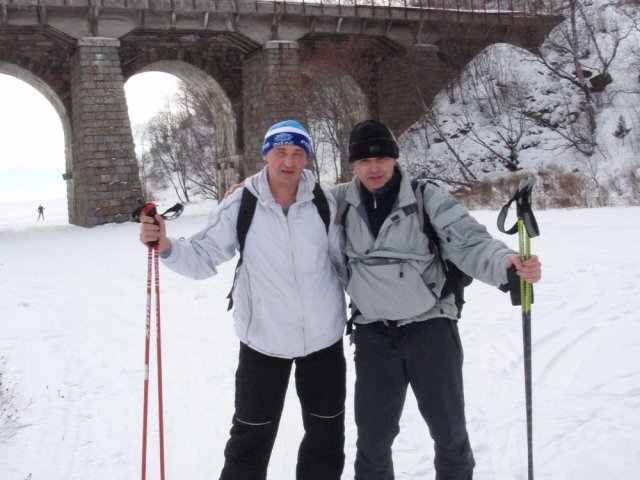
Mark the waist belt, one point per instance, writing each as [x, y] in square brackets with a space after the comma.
[391, 330]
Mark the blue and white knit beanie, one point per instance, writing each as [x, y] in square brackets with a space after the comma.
[288, 132]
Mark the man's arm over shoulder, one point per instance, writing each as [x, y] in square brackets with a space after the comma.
[339, 192]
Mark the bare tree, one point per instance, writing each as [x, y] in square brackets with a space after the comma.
[178, 146]
[165, 153]
[336, 105]
[336, 102]
[457, 174]
[495, 92]
[198, 125]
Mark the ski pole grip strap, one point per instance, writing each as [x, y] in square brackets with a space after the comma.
[502, 217]
[523, 210]
[170, 214]
[530, 224]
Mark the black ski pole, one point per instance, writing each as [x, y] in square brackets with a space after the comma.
[527, 228]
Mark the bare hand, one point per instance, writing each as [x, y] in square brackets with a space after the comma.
[232, 189]
[529, 270]
[150, 232]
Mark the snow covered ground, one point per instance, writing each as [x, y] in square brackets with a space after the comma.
[72, 312]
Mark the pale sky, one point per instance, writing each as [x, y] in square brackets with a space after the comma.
[31, 138]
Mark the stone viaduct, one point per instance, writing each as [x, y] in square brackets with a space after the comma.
[251, 55]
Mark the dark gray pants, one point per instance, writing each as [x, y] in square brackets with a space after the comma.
[429, 358]
[261, 385]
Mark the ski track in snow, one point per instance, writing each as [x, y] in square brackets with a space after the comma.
[72, 307]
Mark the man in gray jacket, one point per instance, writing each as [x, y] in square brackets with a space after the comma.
[289, 309]
[406, 326]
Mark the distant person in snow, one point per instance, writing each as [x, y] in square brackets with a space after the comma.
[40, 213]
[289, 308]
[405, 316]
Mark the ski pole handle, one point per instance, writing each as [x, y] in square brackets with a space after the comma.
[150, 210]
[524, 211]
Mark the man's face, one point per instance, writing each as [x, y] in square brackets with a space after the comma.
[374, 172]
[286, 163]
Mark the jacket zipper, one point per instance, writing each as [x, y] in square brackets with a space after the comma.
[293, 268]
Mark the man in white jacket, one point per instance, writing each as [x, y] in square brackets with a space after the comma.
[289, 308]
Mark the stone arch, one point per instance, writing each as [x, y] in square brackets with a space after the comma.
[55, 101]
[221, 107]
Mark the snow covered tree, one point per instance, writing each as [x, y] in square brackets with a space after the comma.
[621, 129]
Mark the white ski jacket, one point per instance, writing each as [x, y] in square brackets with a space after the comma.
[288, 298]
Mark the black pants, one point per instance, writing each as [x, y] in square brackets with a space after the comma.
[430, 360]
[261, 385]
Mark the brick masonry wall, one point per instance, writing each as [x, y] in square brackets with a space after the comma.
[106, 185]
[272, 93]
[409, 82]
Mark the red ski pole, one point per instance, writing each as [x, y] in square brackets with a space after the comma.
[146, 366]
[159, 358]
[150, 210]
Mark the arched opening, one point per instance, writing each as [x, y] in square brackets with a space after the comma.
[212, 160]
[35, 134]
[335, 104]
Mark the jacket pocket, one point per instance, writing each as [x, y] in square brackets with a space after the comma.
[389, 288]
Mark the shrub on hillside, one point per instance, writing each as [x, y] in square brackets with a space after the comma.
[8, 415]
[556, 188]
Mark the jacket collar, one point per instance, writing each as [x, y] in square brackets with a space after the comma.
[405, 195]
[258, 184]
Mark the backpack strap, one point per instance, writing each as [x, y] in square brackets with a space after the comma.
[322, 205]
[455, 279]
[248, 204]
[425, 223]
[245, 216]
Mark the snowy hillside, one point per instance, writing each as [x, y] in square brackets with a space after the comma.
[72, 308]
[508, 111]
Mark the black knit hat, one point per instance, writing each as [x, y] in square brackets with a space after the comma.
[372, 138]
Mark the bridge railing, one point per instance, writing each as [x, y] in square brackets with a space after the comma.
[534, 7]
[503, 6]
[352, 7]
[470, 6]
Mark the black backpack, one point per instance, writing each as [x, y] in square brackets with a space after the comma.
[455, 279]
[248, 204]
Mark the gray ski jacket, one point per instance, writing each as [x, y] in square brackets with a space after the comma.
[395, 276]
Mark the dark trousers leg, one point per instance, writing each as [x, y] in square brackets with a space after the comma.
[380, 392]
[434, 364]
[321, 386]
[261, 385]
